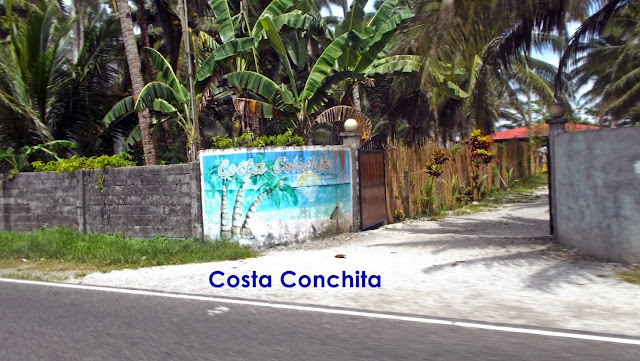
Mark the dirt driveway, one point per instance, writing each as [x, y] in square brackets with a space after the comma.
[497, 266]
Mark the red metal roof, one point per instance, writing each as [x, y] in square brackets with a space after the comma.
[540, 130]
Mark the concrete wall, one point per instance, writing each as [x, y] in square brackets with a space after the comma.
[597, 192]
[137, 201]
[32, 200]
[266, 196]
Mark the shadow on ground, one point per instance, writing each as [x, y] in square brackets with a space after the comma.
[526, 239]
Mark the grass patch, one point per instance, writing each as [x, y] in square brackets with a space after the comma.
[632, 275]
[60, 249]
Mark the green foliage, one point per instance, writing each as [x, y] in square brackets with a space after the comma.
[465, 195]
[248, 140]
[77, 162]
[454, 189]
[19, 161]
[434, 170]
[479, 146]
[510, 178]
[434, 167]
[114, 251]
[167, 99]
[456, 148]
[425, 198]
[398, 215]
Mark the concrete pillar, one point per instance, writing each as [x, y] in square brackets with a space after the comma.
[81, 210]
[556, 127]
[351, 140]
[4, 224]
[197, 227]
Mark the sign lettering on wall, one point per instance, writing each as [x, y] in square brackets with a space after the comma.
[264, 196]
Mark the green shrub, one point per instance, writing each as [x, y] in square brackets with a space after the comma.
[76, 162]
[248, 140]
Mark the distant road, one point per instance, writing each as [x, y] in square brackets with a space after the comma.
[39, 322]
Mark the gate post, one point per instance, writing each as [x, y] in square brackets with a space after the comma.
[556, 127]
[351, 140]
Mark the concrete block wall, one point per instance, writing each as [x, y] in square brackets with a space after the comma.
[597, 192]
[33, 200]
[137, 201]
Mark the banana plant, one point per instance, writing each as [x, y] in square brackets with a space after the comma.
[376, 34]
[237, 28]
[243, 42]
[168, 99]
[355, 51]
[288, 99]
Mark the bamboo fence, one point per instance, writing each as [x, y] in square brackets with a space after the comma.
[407, 183]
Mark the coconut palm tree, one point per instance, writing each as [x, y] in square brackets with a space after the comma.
[137, 82]
[34, 73]
[489, 43]
[605, 50]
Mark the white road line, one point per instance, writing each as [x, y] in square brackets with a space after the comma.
[383, 316]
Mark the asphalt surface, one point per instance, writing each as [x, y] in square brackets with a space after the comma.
[52, 323]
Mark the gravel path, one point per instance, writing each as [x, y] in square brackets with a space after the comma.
[497, 266]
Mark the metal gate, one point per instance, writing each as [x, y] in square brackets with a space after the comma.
[373, 199]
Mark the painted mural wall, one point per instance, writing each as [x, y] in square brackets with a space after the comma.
[266, 196]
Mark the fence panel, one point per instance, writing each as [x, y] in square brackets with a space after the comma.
[406, 176]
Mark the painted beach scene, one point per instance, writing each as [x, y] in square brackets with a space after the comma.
[268, 196]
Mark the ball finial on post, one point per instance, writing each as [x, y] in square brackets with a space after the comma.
[350, 125]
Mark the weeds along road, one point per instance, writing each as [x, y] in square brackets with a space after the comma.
[54, 322]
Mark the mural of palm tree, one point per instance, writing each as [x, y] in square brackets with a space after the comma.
[236, 221]
[223, 181]
[275, 189]
[237, 208]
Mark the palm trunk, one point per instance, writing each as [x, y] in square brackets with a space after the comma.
[355, 94]
[133, 60]
[436, 127]
[195, 137]
[148, 70]
[225, 229]
[78, 28]
[245, 231]
[237, 210]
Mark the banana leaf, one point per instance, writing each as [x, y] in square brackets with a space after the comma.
[396, 63]
[132, 139]
[278, 46]
[255, 82]
[375, 45]
[163, 106]
[321, 96]
[151, 92]
[354, 21]
[383, 14]
[298, 51]
[122, 108]
[274, 9]
[325, 64]
[223, 17]
[224, 51]
[163, 66]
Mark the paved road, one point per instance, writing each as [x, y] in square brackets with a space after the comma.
[52, 323]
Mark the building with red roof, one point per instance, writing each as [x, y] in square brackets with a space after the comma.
[539, 130]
